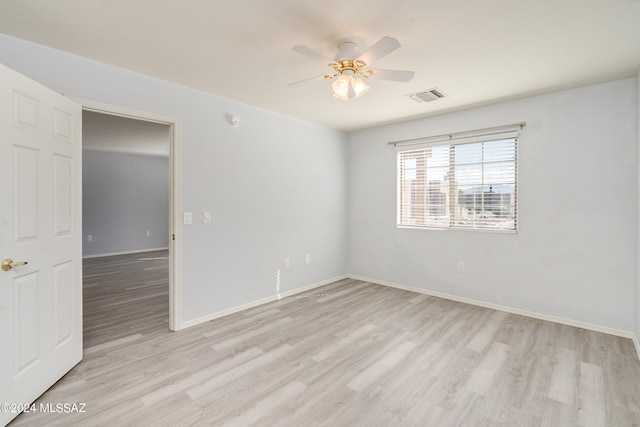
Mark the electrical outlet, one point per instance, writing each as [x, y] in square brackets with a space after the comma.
[460, 266]
[89, 238]
[307, 259]
[286, 263]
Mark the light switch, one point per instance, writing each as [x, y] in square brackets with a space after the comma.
[188, 218]
[206, 217]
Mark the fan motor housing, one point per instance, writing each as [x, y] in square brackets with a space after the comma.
[346, 51]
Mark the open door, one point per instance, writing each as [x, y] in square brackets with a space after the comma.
[41, 226]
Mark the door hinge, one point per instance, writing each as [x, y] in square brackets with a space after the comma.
[173, 237]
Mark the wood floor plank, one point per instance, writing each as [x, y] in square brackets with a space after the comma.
[245, 368]
[119, 341]
[251, 333]
[197, 378]
[563, 379]
[343, 342]
[350, 353]
[486, 335]
[484, 376]
[384, 364]
[264, 407]
[592, 411]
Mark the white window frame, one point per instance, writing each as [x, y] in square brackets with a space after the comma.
[487, 135]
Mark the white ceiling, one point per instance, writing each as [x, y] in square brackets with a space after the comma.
[104, 132]
[476, 52]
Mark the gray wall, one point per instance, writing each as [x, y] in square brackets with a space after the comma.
[275, 185]
[124, 197]
[574, 255]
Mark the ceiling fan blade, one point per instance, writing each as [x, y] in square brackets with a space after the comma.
[383, 47]
[312, 54]
[395, 75]
[301, 82]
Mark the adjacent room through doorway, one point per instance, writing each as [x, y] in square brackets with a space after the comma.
[126, 228]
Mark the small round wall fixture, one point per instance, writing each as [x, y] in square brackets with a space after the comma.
[233, 120]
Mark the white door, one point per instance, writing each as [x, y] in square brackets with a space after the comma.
[40, 223]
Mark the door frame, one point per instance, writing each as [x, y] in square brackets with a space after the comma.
[175, 207]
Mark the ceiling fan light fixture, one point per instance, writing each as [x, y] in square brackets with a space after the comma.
[359, 86]
[341, 86]
[351, 67]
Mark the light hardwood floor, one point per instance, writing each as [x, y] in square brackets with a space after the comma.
[347, 354]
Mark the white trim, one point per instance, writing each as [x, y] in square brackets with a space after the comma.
[532, 314]
[122, 111]
[137, 251]
[175, 219]
[175, 195]
[124, 151]
[252, 304]
[637, 344]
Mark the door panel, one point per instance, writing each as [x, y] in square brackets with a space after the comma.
[25, 112]
[62, 175]
[27, 327]
[25, 179]
[62, 125]
[63, 302]
[40, 222]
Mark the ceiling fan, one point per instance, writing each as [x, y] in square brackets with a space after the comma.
[351, 67]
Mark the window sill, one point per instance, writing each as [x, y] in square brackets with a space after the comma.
[475, 230]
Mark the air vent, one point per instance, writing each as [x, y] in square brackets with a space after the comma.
[427, 95]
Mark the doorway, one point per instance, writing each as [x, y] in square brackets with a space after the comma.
[154, 258]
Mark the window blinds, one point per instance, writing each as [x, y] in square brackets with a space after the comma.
[459, 181]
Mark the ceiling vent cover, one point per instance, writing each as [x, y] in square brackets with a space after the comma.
[427, 95]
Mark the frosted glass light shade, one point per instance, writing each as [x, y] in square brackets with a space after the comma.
[359, 86]
[341, 87]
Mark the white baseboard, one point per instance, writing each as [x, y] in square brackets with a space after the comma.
[637, 344]
[137, 251]
[252, 304]
[533, 314]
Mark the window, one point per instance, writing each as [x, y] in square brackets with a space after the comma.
[459, 181]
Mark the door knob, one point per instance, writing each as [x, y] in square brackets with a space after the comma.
[8, 264]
